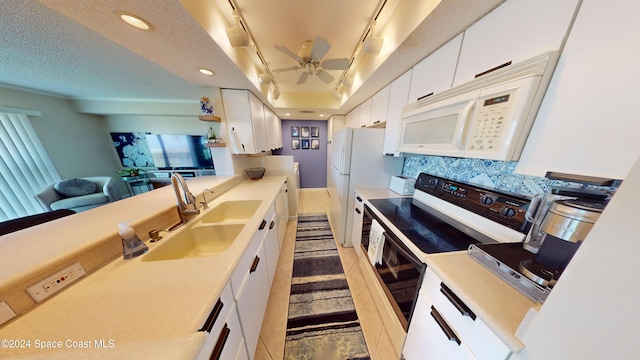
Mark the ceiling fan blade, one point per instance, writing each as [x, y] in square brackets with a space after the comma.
[324, 76]
[320, 48]
[303, 78]
[290, 68]
[336, 64]
[288, 52]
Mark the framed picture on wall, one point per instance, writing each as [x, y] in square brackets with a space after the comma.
[304, 131]
[315, 132]
[295, 131]
[295, 144]
[305, 144]
[315, 144]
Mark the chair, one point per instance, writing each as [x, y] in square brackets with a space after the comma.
[106, 191]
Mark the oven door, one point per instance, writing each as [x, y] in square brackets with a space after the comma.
[400, 273]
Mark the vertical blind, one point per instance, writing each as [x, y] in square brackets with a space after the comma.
[25, 167]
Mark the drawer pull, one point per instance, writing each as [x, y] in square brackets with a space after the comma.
[222, 340]
[262, 225]
[455, 300]
[254, 266]
[359, 198]
[272, 224]
[358, 211]
[213, 316]
[444, 326]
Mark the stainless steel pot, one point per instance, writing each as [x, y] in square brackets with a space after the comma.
[570, 220]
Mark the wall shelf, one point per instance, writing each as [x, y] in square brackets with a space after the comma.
[215, 145]
[210, 118]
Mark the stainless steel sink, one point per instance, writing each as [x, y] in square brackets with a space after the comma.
[200, 240]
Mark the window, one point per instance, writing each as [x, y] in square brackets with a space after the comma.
[25, 166]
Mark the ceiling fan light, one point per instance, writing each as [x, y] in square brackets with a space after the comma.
[264, 78]
[373, 45]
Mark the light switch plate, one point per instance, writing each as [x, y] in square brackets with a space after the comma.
[6, 313]
[55, 282]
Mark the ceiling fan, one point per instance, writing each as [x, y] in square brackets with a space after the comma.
[309, 59]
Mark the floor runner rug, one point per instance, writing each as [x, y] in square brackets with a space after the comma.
[322, 321]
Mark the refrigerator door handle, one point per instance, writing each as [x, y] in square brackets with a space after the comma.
[343, 151]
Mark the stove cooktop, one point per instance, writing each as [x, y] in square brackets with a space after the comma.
[427, 232]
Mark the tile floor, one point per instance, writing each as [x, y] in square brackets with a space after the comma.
[272, 335]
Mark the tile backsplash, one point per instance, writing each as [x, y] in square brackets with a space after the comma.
[491, 174]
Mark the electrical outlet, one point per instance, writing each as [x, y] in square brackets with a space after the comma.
[261, 162]
[55, 282]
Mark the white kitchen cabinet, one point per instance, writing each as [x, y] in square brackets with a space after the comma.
[515, 31]
[273, 127]
[379, 106]
[223, 331]
[356, 224]
[244, 115]
[282, 212]
[271, 243]
[430, 337]
[435, 73]
[353, 118]
[365, 113]
[588, 121]
[443, 312]
[398, 98]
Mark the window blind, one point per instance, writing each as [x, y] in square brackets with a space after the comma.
[25, 167]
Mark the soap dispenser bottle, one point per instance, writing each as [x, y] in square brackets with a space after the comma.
[132, 246]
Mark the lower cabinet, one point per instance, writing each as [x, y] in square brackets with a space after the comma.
[271, 244]
[443, 327]
[224, 338]
[356, 224]
[250, 285]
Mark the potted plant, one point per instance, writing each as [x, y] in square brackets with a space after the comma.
[130, 172]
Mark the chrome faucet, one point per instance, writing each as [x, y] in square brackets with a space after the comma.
[186, 202]
[204, 203]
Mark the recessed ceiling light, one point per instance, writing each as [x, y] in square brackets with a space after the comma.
[206, 71]
[287, 114]
[134, 20]
[321, 115]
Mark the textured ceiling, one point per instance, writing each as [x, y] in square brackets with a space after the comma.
[80, 50]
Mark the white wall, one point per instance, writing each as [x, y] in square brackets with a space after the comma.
[75, 142]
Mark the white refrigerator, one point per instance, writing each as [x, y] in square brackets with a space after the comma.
[356, 162]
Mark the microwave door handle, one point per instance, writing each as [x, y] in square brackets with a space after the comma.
[463, 119]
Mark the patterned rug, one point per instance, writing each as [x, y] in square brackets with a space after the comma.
[322, 322]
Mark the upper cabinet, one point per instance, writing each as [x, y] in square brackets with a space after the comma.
[246, 121]
[515, 31]
[398, 98]
[588, 121]
[273, 127]
[435, 73]
[379, 106]
[353, 118]
[365, 113]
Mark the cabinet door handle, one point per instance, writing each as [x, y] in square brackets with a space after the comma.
[359, 198]
[377, 122]
[273, 223]
[444, 326]
[358, 211]
[213, 316]
[222, 340]
[262, 225]
[254, 266]
[455, 300]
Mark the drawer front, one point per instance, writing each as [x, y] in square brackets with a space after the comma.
[217, 320]
[480, 339]
[431, 337]
[242, 270]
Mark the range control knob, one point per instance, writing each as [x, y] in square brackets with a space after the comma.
[432, 182]
[486, 200]
[507, 212]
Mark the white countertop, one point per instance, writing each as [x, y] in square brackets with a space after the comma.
[143, 307]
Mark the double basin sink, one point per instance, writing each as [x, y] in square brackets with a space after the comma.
[208, 234]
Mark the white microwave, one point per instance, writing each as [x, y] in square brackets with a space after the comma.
[487, 118]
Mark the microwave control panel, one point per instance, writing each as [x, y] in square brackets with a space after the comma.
[490, 123]
[507, 209]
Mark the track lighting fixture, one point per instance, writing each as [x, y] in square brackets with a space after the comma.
[337, 94]
[373, 44]
[347, 81]
[264, 78]
[238, 37]
[275, 93]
